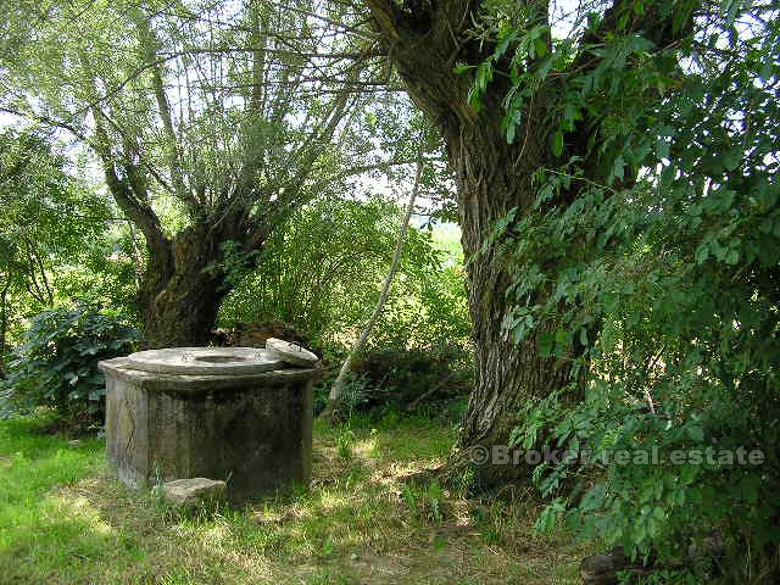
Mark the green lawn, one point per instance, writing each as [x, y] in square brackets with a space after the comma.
[64, 519]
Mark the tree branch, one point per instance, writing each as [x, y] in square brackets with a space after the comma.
[336, 395]
[149, 44]
[135, 208]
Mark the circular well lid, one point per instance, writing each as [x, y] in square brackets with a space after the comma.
[222, 361]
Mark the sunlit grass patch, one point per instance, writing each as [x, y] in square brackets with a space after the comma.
[65, 519]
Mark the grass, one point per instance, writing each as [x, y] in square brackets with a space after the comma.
[65, 519]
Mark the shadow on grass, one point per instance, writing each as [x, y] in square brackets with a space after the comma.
[64, 519]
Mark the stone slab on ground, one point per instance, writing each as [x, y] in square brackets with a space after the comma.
[188, 492]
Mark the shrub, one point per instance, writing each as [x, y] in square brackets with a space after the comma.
[322, 275]
[400, 378]
[56, 366]
[668, 305]
[388, 380]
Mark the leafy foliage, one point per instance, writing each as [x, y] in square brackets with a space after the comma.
[57, 364]
[54, 232]
[397, 379]
[322, 274]
[212, 123]
[661, 281]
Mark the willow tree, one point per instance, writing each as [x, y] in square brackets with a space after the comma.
[495, 78]
[210, 122]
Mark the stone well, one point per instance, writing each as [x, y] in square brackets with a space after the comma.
[241, 415]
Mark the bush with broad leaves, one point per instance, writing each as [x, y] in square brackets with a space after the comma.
[56, 366]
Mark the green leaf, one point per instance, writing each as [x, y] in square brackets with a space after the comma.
[557, 146]
[695, 433]
[511, 129]
[702, 253]
[732, 158]
[541, 47]
[461, 68]
[732, 256]
[546, 344]
[475, 98]
[484, 75]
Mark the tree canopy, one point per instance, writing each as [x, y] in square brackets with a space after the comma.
[211, 123]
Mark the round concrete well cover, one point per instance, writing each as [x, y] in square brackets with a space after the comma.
[222, 361]
[291, 353]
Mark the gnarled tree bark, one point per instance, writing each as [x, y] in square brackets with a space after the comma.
[425, 39]
[180, 306]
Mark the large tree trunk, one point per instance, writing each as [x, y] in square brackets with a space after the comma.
[182, 290]
[491, 182]
[493, 177]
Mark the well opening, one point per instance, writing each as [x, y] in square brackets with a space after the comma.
[221, 359]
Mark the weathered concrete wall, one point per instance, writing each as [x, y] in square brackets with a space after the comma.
[254, 431]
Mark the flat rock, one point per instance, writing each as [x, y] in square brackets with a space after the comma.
[185, 492]
[292, 353]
